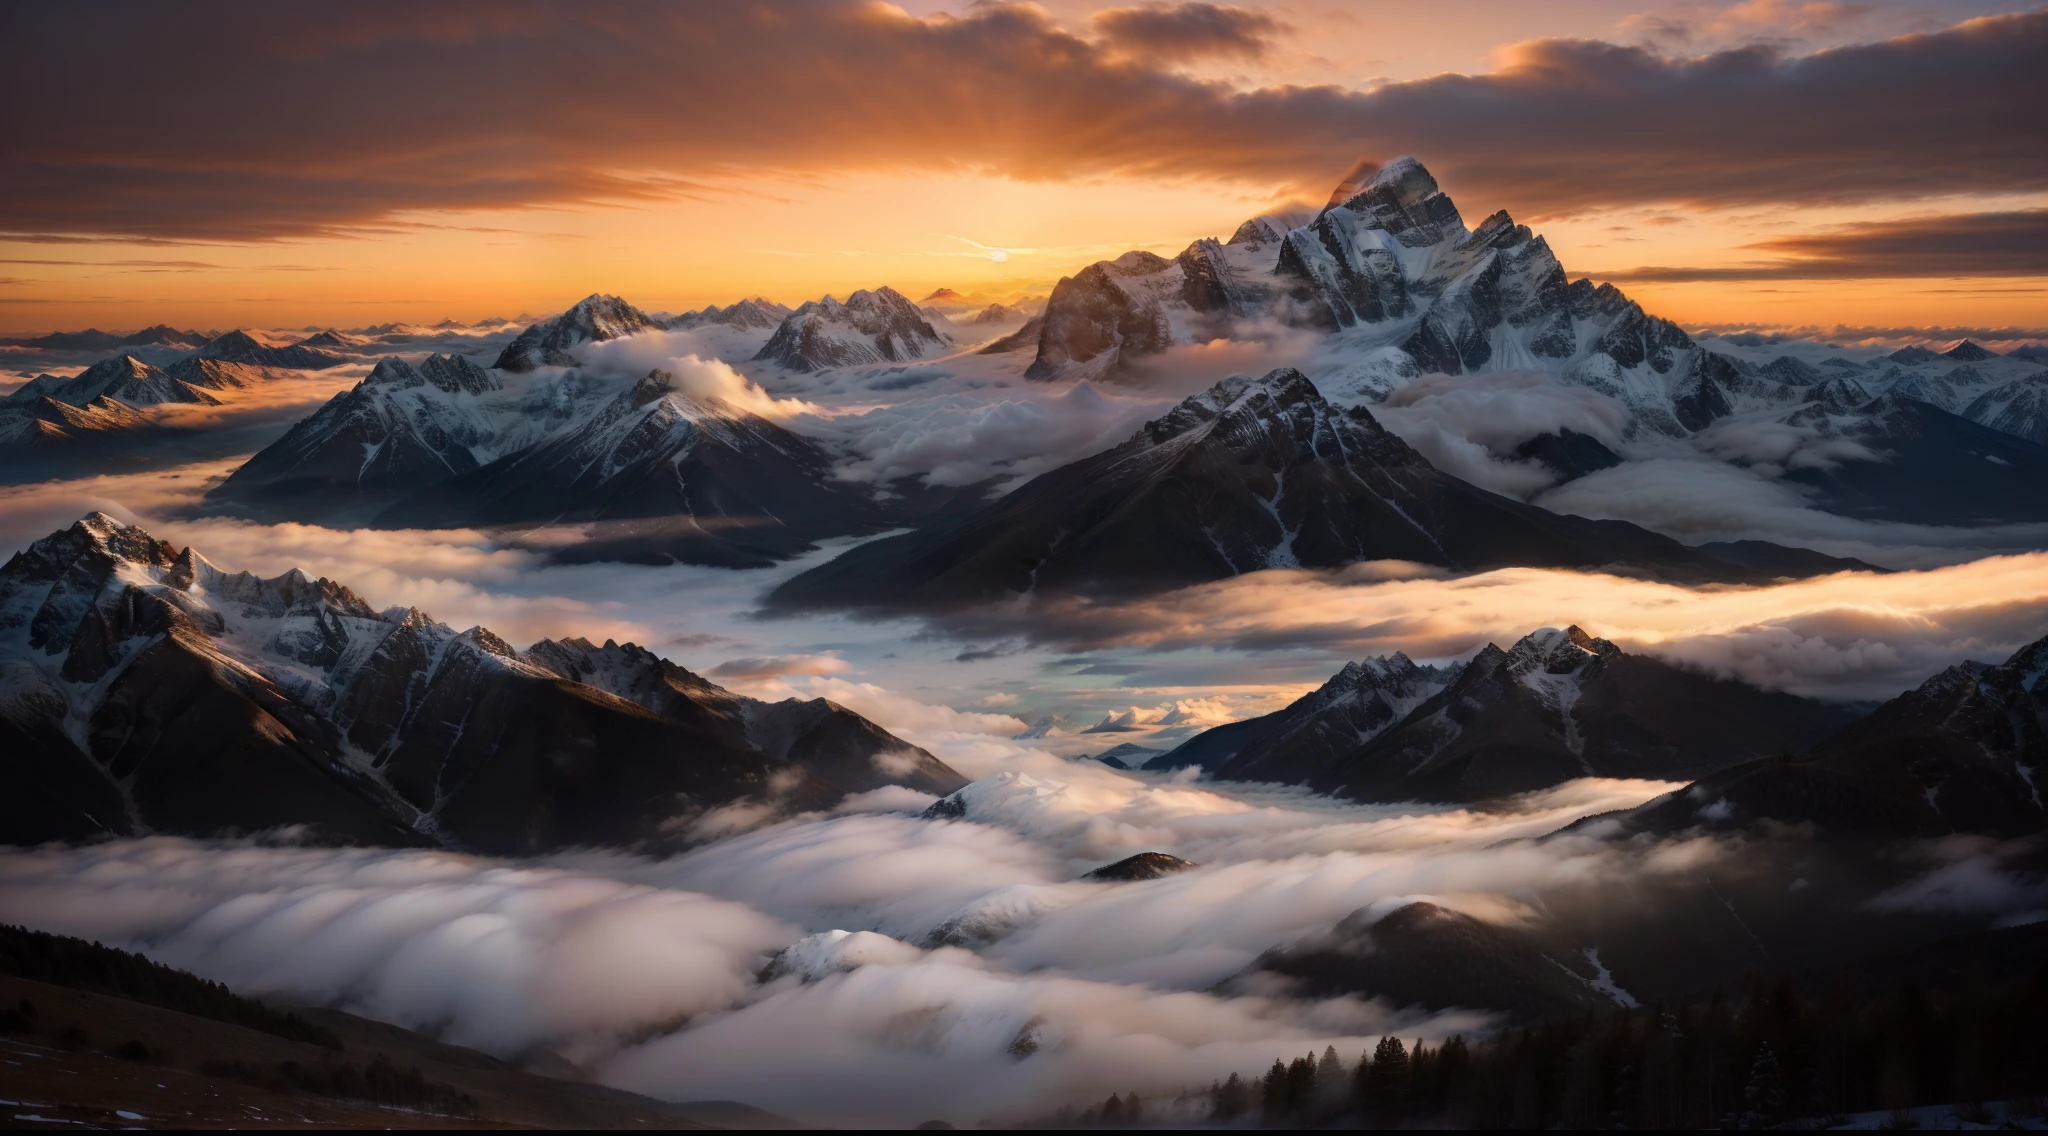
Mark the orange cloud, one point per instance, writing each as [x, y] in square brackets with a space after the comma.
[288, 120]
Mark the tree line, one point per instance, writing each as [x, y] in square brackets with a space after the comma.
[1769, 1054]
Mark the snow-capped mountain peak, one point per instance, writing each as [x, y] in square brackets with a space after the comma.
[870, 326]
[593, 319]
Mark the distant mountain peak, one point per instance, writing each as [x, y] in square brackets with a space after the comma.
[593, 319]
[871, 326]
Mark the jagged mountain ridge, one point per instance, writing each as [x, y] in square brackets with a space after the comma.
[593, 319]
[1960, 753]
[399, 427]
[1554, 706]
[1392, 271]
[242, 347]
[757, 312]
[142, 689]
[661, 476]
[123, 378]
[1253, 473]
[871, 326]
[1316, 730]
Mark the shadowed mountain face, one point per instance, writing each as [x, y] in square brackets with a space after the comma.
[837, 745]
[1556, 706]
[146, 690]
[1316, 731]
[1250, 474]
[1430, 956]
[1936, 467]
[400, 427]
[1963, 752]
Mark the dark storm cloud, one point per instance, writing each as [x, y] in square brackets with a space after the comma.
[1973, 244]
[1186, 31]
[245, 121]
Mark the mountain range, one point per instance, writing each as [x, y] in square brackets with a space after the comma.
[1404, 289]
[1556, 705]
[1250, 474]
[144, 690]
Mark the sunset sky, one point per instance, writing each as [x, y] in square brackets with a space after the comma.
[1770, 163]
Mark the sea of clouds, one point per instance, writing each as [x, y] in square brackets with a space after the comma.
[805, 967]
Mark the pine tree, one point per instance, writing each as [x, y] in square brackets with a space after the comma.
[1113, 1110]
[1764, 1095]
[1387, 1085]
[1273, 1098]
[1232, 1099]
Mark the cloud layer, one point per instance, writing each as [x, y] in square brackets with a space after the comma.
[1057, 991]
[287, 120]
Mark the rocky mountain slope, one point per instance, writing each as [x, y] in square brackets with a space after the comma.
[1963, 752]
[1250, 474]
[879, 326]
[754, 313]
[401, 427]
[1316, 731]
[1924, 465]
[1554, 706]
[1404, 289]
[144, 690]
[243, 347]
[593, 319]
[123, 378]
[660, 476]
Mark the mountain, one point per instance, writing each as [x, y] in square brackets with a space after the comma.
[1555, 706]
[1023, 338]
[879, 326]
[123, 377]
[216, 374]
[242, 347]
[1961, 753]
[1424, 955]
[42, 438]
[754, 313]
[1927, 466]
[1391, 272]
[2019, 408]
[1250, 474]
[1123, 756]
[1563, 704]
[1315, 731]
[332, 340]
[595, 318]
[91, 339]
[662, 476]
[401, 427]
[144, 690]
[993, 314]
[837, 745]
